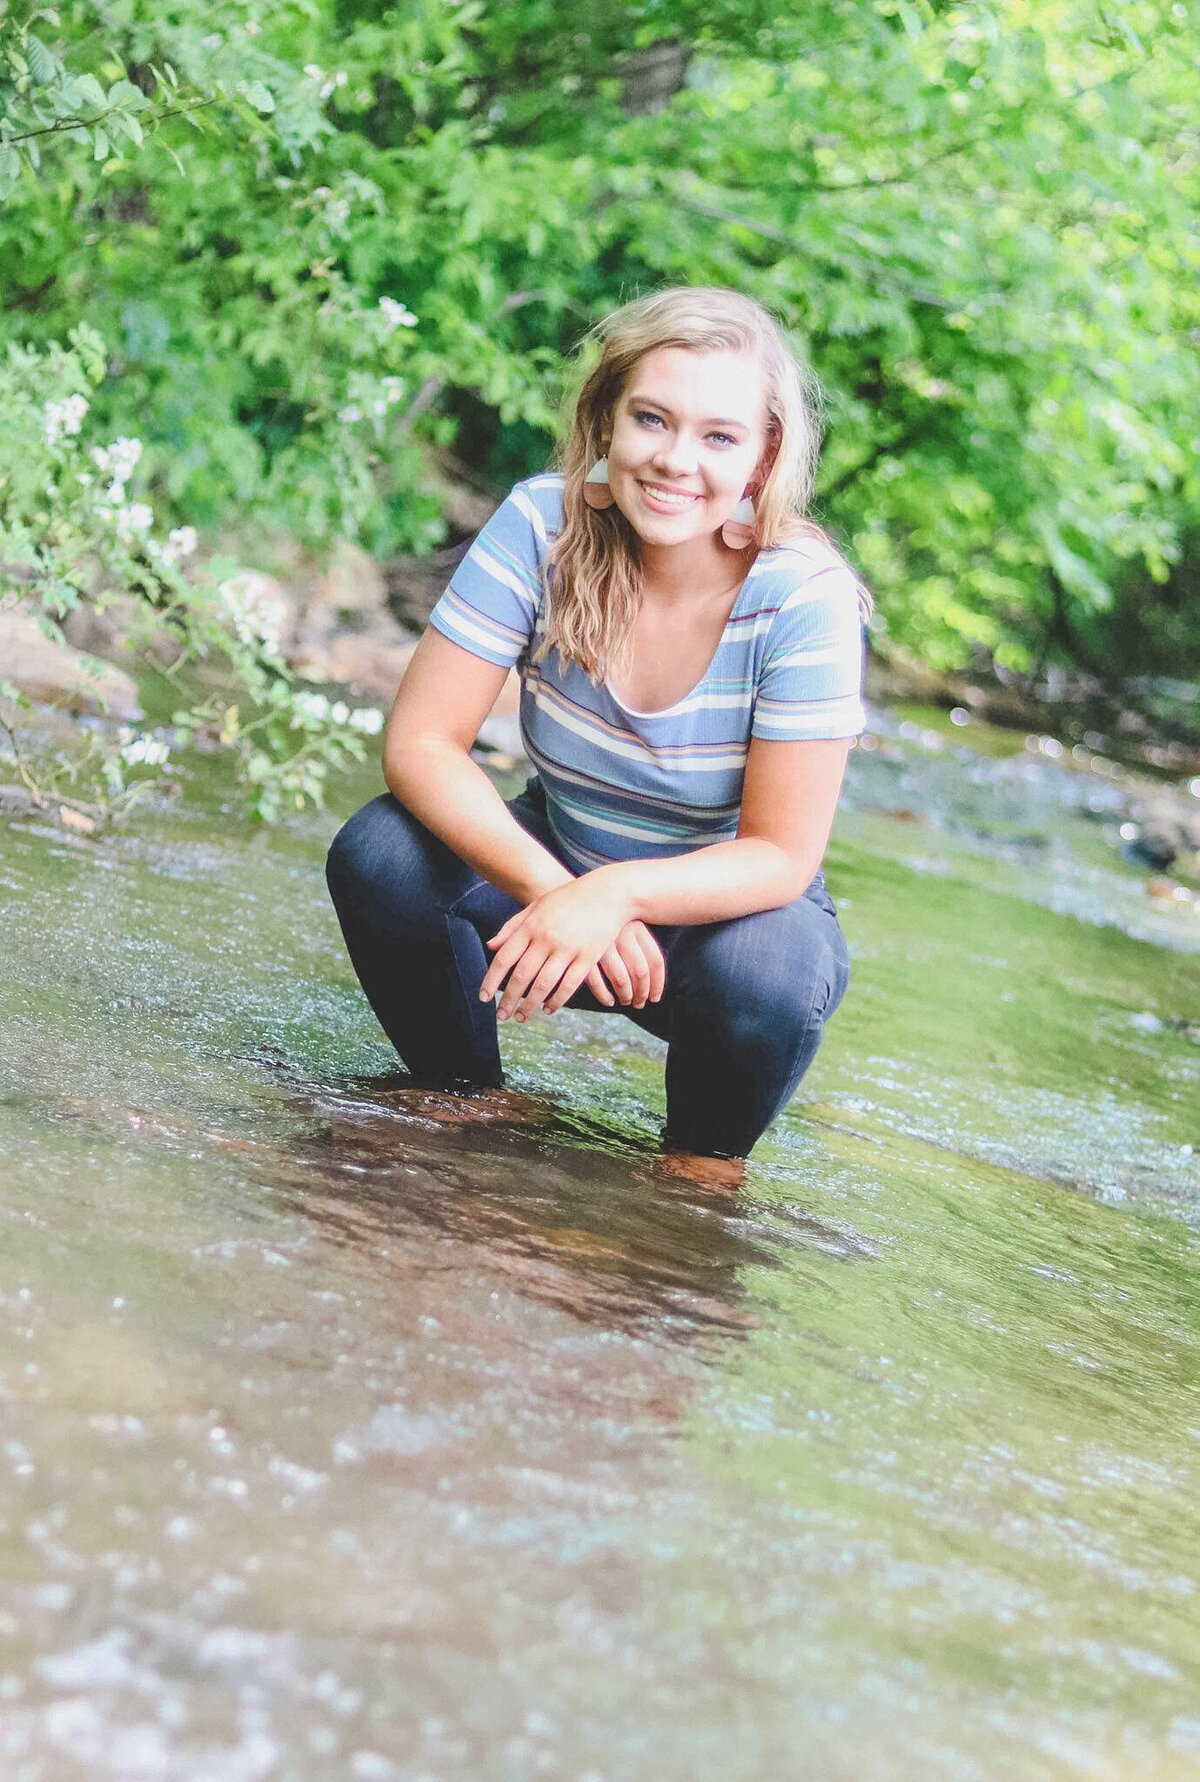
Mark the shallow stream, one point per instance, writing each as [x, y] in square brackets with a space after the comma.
[338, 1443]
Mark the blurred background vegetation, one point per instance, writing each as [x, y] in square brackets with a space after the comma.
[326, 243]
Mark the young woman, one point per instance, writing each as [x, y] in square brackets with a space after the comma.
[690, 656]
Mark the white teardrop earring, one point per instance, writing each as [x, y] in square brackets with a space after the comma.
[738, 530]
[596, 491]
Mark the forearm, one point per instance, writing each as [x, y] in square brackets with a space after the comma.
[440, 784]
[713, 884]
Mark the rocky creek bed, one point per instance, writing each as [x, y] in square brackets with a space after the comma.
[342, 1443]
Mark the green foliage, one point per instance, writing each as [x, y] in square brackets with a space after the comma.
[979, 220]
[69, 532]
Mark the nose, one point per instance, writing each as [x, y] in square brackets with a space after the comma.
[676, 455]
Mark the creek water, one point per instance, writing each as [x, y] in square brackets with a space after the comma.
[339, 1442]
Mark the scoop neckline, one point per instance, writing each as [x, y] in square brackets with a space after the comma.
[667, 711]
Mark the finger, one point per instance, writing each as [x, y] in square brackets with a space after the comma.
[518, 981]
[502, 934]
[502, 965]
[617, 973]
[599, 989]
[538, 961]
[567, 986]
[629, 947]
[543, 985]
[656, 961]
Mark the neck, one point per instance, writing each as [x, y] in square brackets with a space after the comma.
[703, 566]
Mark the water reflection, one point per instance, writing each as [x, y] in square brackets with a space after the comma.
[589, 1229]
[343, 1441]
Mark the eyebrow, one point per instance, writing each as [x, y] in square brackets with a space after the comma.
[713, 421]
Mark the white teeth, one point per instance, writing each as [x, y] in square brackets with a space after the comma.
[675, 500]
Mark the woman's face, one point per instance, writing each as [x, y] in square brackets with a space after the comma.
[688, 434]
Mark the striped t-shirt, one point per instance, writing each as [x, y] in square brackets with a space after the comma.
[626, 785]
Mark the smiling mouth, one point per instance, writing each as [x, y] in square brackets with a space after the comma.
[680, 498]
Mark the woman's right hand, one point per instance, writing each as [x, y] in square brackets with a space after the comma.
[567, 936]
[633, 971]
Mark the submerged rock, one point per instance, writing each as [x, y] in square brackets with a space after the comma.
[1167, 830]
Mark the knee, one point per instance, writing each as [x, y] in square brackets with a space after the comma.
[363, 852]
[780, 972]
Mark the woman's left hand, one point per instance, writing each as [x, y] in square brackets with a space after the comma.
[573, 933]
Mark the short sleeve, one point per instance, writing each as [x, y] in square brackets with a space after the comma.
[810, 684]
[491, 605]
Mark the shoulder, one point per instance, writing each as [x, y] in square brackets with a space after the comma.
[806, 570]
[805, 588]
[534, 507]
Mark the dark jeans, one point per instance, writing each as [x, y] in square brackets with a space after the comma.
[742, 1013]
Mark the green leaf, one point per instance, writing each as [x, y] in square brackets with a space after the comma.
[1073, 571]
[101, 147]
[123, 93]
[90, 90]
[909, 18]
[1129, 34]
[129, 125]
[42, 64]
[259, 96]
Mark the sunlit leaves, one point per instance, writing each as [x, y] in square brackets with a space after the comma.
[978, 220]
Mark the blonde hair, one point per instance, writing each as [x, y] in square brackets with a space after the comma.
[593, 570]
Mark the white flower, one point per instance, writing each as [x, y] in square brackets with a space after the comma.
[350, 413]
[252, 30]
[258, 614]
[394, 387]
[132, 521]
[181, 542]
[118, 460]
[65, 417]
[326, 89]
[212, 41]
[341, 77]
[144, 751]
[313, 71]
[367, 719]
[310, 705]
[396, 314]
[339, 713]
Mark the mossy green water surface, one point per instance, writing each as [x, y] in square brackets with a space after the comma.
[343, 1441]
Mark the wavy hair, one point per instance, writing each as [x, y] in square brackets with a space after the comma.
[593, 570]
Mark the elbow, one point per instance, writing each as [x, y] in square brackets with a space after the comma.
[414, 763]
[395, 761]
[799, 869]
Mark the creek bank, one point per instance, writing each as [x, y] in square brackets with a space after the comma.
[353, 624]
[1149, 723]
[58, 674]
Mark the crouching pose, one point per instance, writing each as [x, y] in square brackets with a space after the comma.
[689, 650]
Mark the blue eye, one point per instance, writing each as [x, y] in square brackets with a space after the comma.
[724, 438]
[645, 415]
